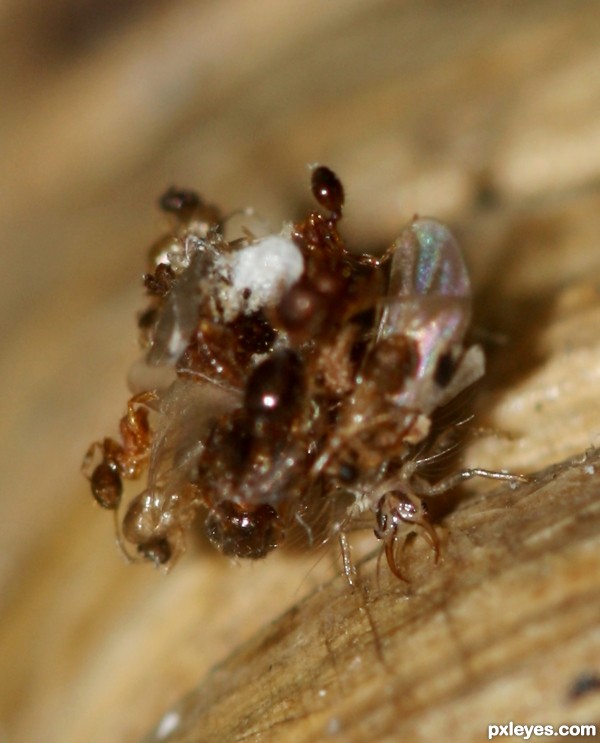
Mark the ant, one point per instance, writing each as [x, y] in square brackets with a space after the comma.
[282, 373]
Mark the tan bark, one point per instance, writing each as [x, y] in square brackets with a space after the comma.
[482, 114]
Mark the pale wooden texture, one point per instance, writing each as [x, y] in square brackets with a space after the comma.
[463, 645]
[485, 115]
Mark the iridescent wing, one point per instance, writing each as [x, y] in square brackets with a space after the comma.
[429, 303]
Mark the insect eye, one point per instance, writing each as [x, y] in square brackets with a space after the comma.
[327, 189]
[348, 472]
[275, 387]
[444, 370]
[176, 200]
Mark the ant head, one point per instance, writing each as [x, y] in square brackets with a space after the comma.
[327, 189]
[393, 509]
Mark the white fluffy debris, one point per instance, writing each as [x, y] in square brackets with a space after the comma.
[261, 271]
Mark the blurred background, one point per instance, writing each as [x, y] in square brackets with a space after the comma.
[485, 115]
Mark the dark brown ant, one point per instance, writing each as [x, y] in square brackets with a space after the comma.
[127, 459]
[328, 190]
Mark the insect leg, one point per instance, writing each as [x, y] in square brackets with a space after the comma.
[452, 481]
[349, 567]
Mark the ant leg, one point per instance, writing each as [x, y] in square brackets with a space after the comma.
[142, 398]
[309, 532]
[133, 425]
[448, 483]
[349, 567]
[89, 456]
[121, 543]
[136, 435]
[109, 451]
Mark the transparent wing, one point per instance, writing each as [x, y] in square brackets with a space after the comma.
[429, 303]
[185, 414]
[179, 316]
[427, 261]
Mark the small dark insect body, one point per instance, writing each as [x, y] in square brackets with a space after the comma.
[284, 375]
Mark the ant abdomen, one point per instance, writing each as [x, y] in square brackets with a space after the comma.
[275, 389]
[154, 523]
[107, 485]
[242, 530]
[144, 519]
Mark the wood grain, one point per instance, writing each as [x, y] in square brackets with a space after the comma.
[463, 644]
[483, 115]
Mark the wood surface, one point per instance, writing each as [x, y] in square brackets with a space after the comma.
[484, 115]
